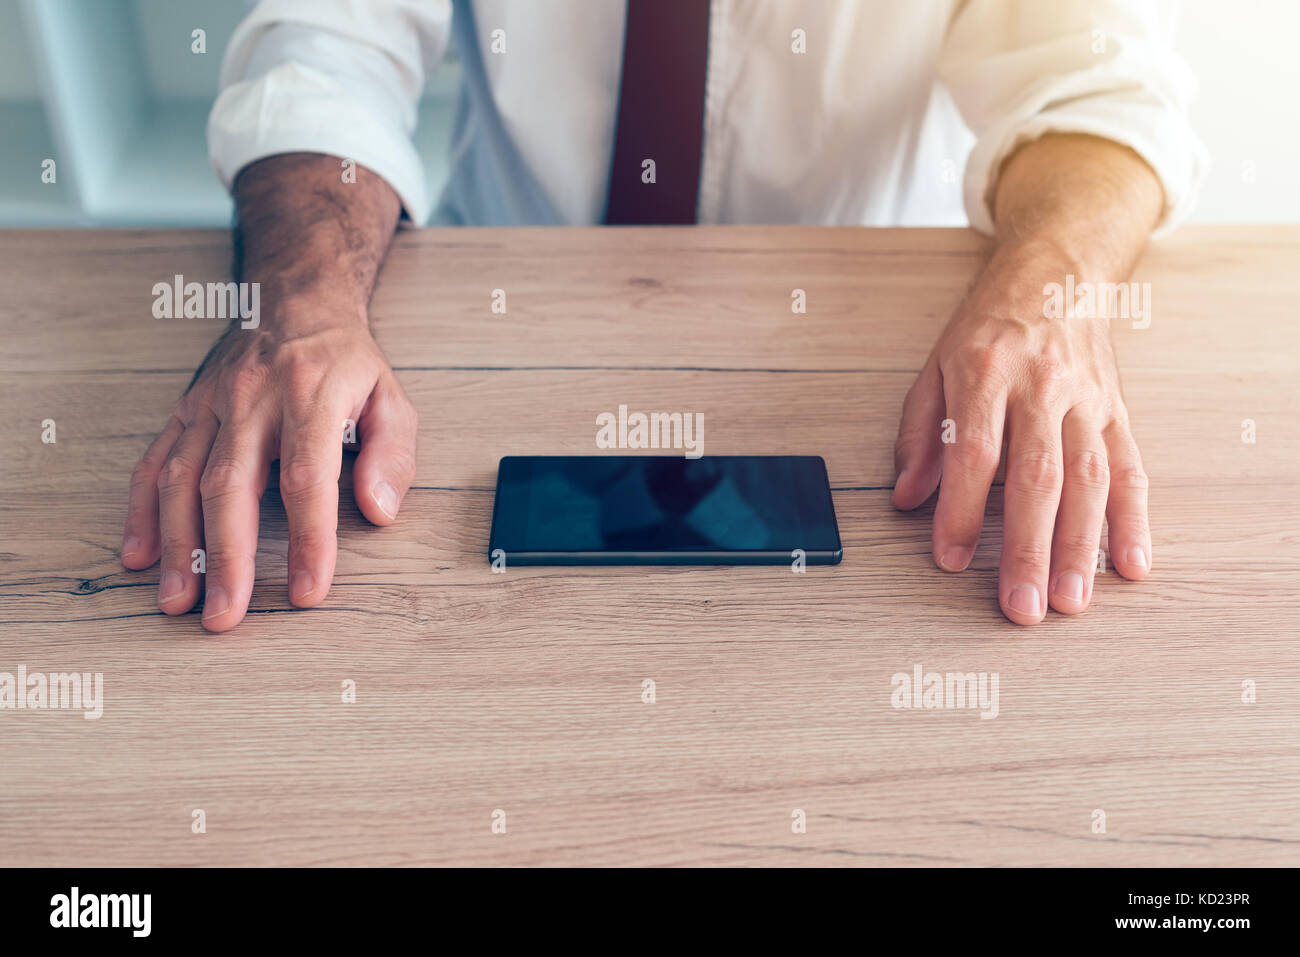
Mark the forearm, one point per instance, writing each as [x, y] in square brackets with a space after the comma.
[307, 235]
[1080, 202]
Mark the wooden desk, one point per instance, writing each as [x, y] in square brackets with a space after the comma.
[523, 691]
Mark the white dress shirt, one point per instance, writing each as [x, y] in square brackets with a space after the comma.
[900, 112]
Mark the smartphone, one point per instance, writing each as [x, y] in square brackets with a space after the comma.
[661, 510]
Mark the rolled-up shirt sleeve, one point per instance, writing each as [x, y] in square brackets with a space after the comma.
[330, 76]
[1018, 69]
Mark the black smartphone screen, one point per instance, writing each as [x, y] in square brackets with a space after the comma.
[660, 510]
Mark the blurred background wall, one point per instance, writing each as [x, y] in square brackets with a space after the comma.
[112, 91]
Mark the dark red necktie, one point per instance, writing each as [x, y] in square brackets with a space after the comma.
[660, 114]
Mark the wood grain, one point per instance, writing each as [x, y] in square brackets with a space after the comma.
[523, 691]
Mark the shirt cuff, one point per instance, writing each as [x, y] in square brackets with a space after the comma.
[293, 108]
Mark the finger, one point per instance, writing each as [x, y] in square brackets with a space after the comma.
[385, 468]
[1077, 535]
[180, 515]
[140, 535]
[977, 409]
[1128, 535]
[311, 456]
[232, 484]
[918, 450]
[1030, 499]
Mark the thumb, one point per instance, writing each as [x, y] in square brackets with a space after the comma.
[918, 453]
[385, 466]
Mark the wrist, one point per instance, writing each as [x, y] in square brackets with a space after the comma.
[300, 311]
[1027, 276]
[1046, 257]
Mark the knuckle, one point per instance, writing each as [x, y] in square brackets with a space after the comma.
[976, 453]
[1028, 554]
[302, 376]
[1036, 469]
[221, 479]
[225, 567]
[1048, 377]
[311, 539]
[176, 548]
[229, 557]
[177, 473]
[908, 439]
[1048, 369]
[142, 476]
[402, 464]
[1080, 544]
[394, 397]
[302, 475]
[986, 361]
[903, 442]
[246, 385]
[1090, 468]
[1130, 477]
[1129, 529]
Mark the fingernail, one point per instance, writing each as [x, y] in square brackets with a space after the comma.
[216, 603]
[171, 586]
[1025, 600]
[386, 498]
[303, 584]
[1070, 586]
[955, 559]
[130, 546]
[1138, 556]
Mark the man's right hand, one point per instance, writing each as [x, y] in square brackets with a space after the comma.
[265, 394]
[282, 390]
